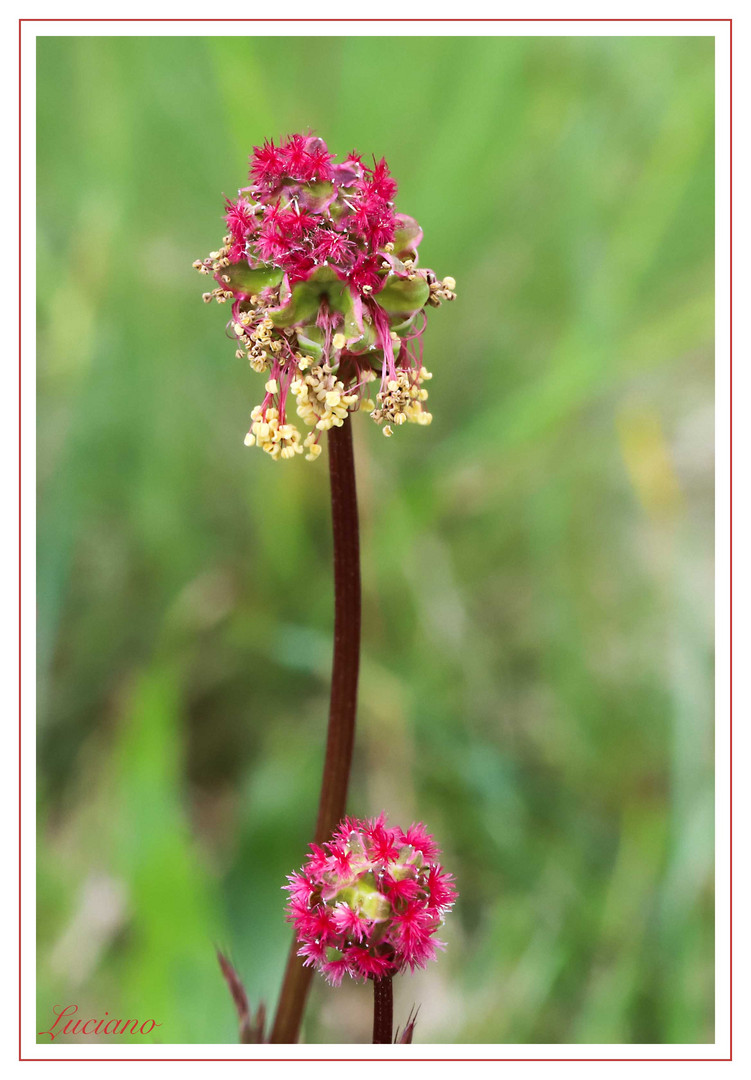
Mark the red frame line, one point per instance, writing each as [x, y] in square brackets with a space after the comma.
[342, 19]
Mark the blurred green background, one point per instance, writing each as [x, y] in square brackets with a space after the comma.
[537, 676]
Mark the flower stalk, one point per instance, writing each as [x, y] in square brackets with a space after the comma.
[347, 618]
[383, 1010]
[343, 703]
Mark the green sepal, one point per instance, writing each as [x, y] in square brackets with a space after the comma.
[310, 341]
[364, 343]
[355, 843]
[306, 297]
[352, 329]
[363, 896]
[250, 280]
[375, 906]
[403, 294]
[400, 325]
[406, 239]
[316, 195]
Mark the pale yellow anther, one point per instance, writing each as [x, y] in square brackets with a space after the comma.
[339, 341]
[272, 387]
[250, 439]
[449, 283]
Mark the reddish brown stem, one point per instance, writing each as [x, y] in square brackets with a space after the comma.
[383, 1010]
[343, 705]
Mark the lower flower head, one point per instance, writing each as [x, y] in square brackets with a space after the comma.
[370, 902]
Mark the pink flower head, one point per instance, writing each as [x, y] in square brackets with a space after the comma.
[326, 295]
[369, 903]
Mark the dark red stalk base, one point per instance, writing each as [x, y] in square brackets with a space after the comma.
[383, 1010]
[341, 731]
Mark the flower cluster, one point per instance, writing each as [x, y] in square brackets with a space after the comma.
[369, 902]
[321, 273]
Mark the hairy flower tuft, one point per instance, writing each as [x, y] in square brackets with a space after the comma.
[325, 292]
[370, 902]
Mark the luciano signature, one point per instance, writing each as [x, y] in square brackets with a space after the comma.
[94, 1026]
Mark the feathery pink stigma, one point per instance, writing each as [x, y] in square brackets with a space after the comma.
[267, 162]
[370, 902]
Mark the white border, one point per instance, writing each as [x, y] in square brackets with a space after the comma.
[507, 1052]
